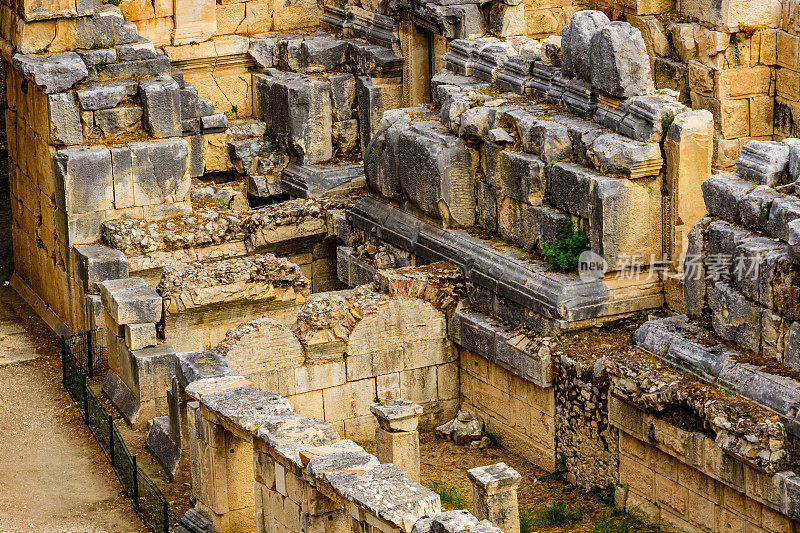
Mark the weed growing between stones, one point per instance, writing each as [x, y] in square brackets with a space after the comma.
[452, 497]
[563, 252]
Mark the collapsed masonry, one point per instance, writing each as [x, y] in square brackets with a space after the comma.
[250, 339]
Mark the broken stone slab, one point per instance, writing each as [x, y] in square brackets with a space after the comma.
[782, 212]
[376, 61]
[557, 88]
[322, 52]
[541, 76]
[140, 336]
[215, 123]
[734, 317]
[161, 100]
[454, 522]
[614, 155]
[490, 478]
[291, 428]
[620, 65]
[764, 162]
[462, 54]
[158, 441]
[156, 169]
[130, 301]
[95, 264]
[264, 186]
[307, 181]
[54, 73]
[576, 42]
[463, 429]
[245, 407]
[202, 364]
[397, 414]
[611, 112]
[754, 267]
[754, 207]
[118, 122]
[722, 193]
[136, 69]
[106, 95]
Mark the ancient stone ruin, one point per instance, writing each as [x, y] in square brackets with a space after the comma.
[301, 225]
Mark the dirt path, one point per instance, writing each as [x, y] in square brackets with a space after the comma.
[53, 476]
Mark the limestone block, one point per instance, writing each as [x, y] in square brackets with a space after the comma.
[54, 73]
[783, 211]
[754, 207]
[157, 30]
[262, 51]
[730, 15]
[105, 95]
[130, 301]
[734, 317]
[568, 188]
[722, 193]
[397, 415]
[230, 18]
[683, 40]
[343, 94]
[653, 33]
[437, 172]
[215, 123]
[135, 51]
[620, 65]
[64, 118]
[138, 336]
[754, 265]
[299, 110]
[400, 448]
[576, 42]
[259, 16]
[161, 100]
[373, 97]
[763, 162]
[195, 21]
[791, 354]
[521, 176]
[95, 264]
[136, 69]
[551, 51]
[296, 14]
[84, 181]
[517, 222]
[322, 53]
[117, 122]
[618, 156]
[107, 27]
[159, 170]
[731, 117]
[550, 141]
[494, 495]
[793, 239]
[504, 20]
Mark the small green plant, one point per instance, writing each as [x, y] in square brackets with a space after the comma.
[270, 135]
[101, 66]
[222, 204]
[494, 438]
[552, 514]
[113, 2]
[193, 43]
[452, 497]
[666, 121]
[620, 522]
[730, 391]
[565, 249]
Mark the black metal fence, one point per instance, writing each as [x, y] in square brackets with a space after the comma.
[79, 356]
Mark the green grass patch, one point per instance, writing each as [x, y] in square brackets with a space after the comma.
[621, 522]
[551, 515]
[452, 497]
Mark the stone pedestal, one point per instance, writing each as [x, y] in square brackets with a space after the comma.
[494, 495]
[396, 437]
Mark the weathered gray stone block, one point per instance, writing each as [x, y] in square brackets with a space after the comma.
[397, 414]
[161, 99]
[620, 65]
[550, 141]
[754, 207]
[793, 239]
[106, 95]
[105, 28]
[299, 110]
[118, 121]
[791, 353]
[292, 429]
[322, 53]
[694, 271]
[734, 317]
[157, 170]
[262, 50]
[84, 181]
[763, 162]
[194, 366]
[140, 336]
[521, 176]
[65, 119]
[54, 73]
[648, 117]
[568, 188]
[246, 407]
[753, 267]
[614, 155]
[343, 93]
[130, 301]
[135, 51]
[517, 222]
[436, 172]
[136, 69]
[551, 51]
[215, 123]
[783, 211]
[576, 42]
[95, 264]
[722, 193]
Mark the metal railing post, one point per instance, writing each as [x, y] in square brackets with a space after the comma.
[135, 485]
[111, 439]
[166, 516]
[85, 400]
[90, 352]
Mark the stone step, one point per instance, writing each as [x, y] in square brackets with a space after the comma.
[686, 345]
[516, 290]
[308, 181]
